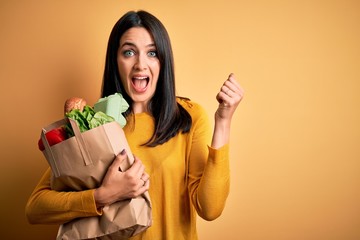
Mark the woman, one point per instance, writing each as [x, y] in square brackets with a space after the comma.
[184, 176]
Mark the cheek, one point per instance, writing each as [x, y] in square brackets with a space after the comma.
[155, 66]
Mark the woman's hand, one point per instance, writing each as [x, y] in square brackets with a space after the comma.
[119, 185]
[229, 98]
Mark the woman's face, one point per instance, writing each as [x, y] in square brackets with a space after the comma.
[138, 66]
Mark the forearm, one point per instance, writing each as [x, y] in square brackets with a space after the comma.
[46, 206]
[214, 185]
[209, 174]
[221, 134]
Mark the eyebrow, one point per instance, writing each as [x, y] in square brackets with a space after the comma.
[133, 45]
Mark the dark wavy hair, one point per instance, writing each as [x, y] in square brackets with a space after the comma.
[170, 117]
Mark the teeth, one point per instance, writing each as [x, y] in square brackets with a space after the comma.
[140, 78]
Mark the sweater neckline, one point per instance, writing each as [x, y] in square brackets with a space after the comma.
[142, 115]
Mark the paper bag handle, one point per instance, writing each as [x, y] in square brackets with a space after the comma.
[81, 142]
[47, 149]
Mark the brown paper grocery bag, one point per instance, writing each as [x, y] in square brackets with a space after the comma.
[80, 163]
[120, 220]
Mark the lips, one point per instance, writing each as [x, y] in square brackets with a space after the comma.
[140, 83]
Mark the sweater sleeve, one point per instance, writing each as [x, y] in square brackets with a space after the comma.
[209, 173]
[214, 185]
[46, 206]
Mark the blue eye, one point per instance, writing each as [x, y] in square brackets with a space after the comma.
[152, 54]
[128, 53]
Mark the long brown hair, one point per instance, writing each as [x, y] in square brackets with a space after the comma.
[170, 117]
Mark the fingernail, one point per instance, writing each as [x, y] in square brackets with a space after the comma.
[123, 152]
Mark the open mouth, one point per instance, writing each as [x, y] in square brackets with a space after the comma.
[140, 83]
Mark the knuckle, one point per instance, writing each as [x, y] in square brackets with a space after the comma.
[131, 179]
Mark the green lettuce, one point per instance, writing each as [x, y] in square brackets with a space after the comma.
[86, 119]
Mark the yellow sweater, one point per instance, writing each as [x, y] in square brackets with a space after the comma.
[186, 177]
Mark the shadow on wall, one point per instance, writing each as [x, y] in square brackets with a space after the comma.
[16, 190]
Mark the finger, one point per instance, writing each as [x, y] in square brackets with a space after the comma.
[223, 99]
[228, 94]
[227, 97]
[118, 160]
[233, 80]
[227, 90]
[137, 169]
[144, 187]
[232, 90]
[135, 166]
[145, 177]
[141, 183]
[232, 86]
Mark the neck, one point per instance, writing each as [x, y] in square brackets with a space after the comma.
[139, 107]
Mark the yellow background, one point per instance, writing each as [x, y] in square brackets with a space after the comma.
[295, 154]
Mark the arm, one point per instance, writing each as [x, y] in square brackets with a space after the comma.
[229, 98]
[209, 178]
[46, 206]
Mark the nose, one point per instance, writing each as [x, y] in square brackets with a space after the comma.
[141, 62]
